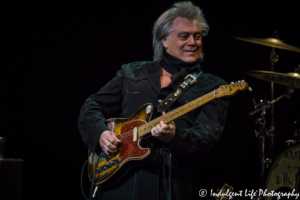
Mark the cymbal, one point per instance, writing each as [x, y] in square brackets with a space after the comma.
[270, 42]
[278, 78]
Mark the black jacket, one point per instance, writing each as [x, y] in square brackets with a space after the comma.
[196, 132]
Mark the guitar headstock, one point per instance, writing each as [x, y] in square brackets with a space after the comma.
[231, 89]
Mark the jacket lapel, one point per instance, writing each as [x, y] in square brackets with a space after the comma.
[152, 72]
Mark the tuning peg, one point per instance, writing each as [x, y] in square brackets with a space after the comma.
[249, 89]
[232, 83]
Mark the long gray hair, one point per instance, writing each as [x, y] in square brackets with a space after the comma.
[163, 25]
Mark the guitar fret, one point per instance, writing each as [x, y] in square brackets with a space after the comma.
[157, 121]
[174, 114]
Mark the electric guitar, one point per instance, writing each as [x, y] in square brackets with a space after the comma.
[131, 130]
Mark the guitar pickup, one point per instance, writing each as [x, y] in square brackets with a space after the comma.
[135, 134]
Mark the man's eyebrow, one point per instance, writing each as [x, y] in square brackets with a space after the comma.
[186, 32]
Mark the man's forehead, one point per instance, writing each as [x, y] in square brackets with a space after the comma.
[185, 25]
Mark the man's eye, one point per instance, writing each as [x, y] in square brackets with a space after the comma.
[197, 37]
[183, 36]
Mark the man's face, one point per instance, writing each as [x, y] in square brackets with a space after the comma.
[184, 42]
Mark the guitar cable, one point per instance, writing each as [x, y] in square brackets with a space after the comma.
[91, 187]
[92, 181]
[81, 180]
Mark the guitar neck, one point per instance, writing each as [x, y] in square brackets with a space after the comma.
[174, 114]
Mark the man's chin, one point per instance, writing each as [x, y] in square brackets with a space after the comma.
[191, 59]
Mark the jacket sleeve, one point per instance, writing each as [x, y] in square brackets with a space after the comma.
[99, 107]
[207, 124]
[206, 130]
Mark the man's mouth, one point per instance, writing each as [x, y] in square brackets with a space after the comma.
[190, 51]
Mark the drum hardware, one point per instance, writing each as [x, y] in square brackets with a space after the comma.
[296, 129]
[292, 81]
[261, 134]
[274, 42]
[289, 142]
[262, 107]
[267, 162]
[256, 133]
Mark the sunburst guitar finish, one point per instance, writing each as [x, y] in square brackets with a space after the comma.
[129, 150]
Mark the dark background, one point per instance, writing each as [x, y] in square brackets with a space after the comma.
[55, 54]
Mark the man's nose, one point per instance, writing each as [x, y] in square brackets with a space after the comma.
[192, 41]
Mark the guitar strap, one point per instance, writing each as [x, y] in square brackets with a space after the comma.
[188, 81]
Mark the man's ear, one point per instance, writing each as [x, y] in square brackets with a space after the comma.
[165, 43]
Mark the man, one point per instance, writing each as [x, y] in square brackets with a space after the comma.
[177, 41]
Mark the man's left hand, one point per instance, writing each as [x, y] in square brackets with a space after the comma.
[164, 132]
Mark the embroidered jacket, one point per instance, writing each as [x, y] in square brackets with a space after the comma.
[138, 83]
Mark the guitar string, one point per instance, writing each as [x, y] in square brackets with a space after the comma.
[129, 133]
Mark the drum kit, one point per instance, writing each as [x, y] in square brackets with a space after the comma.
[283, 174]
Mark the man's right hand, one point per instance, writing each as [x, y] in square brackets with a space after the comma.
[108, 142]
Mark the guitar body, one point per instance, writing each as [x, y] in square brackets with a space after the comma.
[129, 150]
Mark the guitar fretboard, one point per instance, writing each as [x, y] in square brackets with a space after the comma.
[174, 114]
